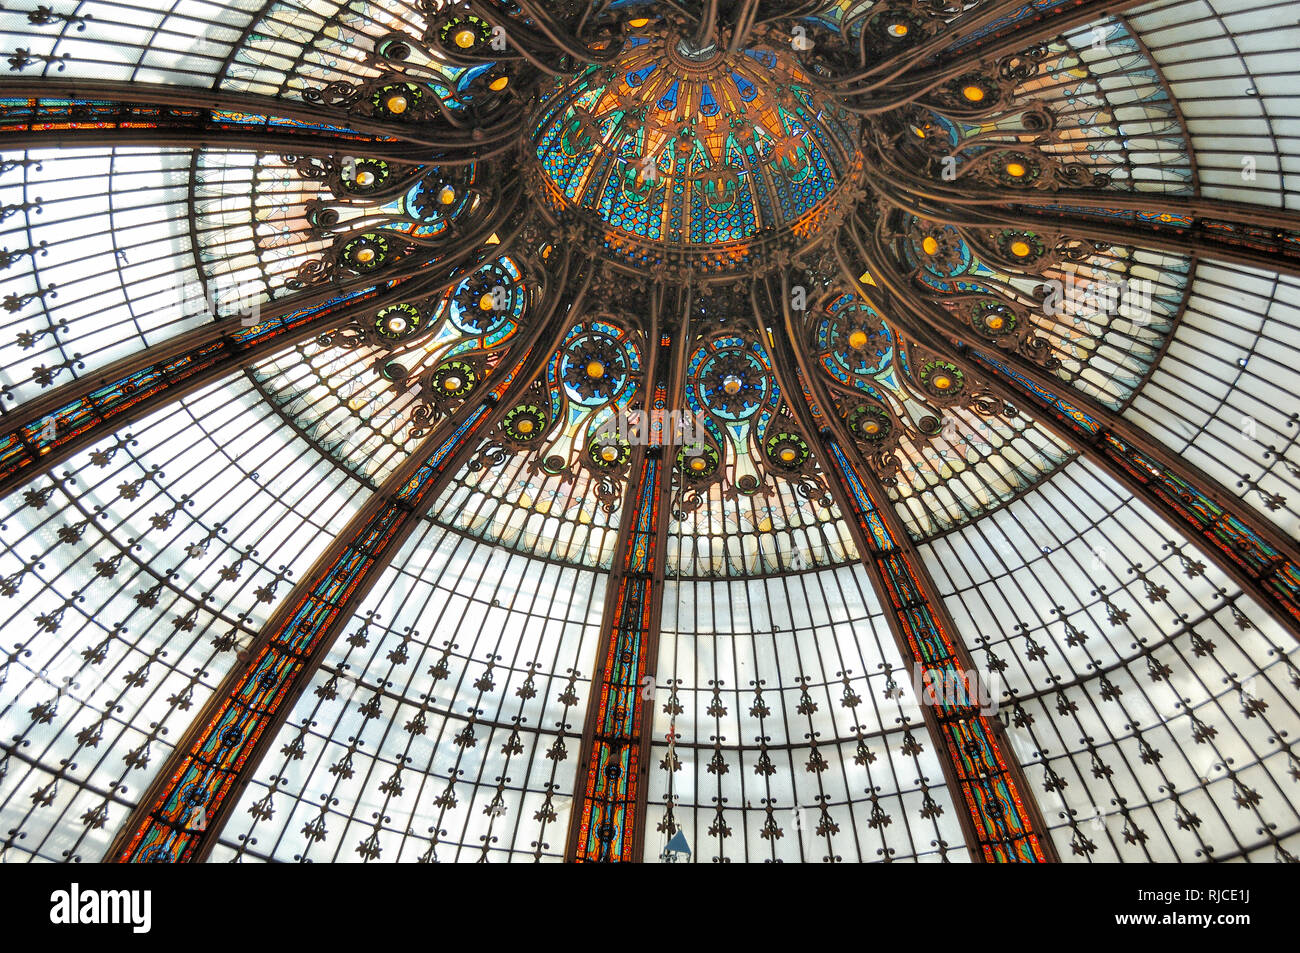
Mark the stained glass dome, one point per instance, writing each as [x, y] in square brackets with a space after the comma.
[692, 431]
[702, 160]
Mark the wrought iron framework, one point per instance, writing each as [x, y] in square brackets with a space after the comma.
[608, 821]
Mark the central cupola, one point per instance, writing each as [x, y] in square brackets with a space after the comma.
[691, 158]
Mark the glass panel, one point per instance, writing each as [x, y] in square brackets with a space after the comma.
[1147, 698]
[445, 726]
[1224, 395]
[794, 737]
[130, 580]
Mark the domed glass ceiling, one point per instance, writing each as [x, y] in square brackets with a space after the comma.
[827, 431]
